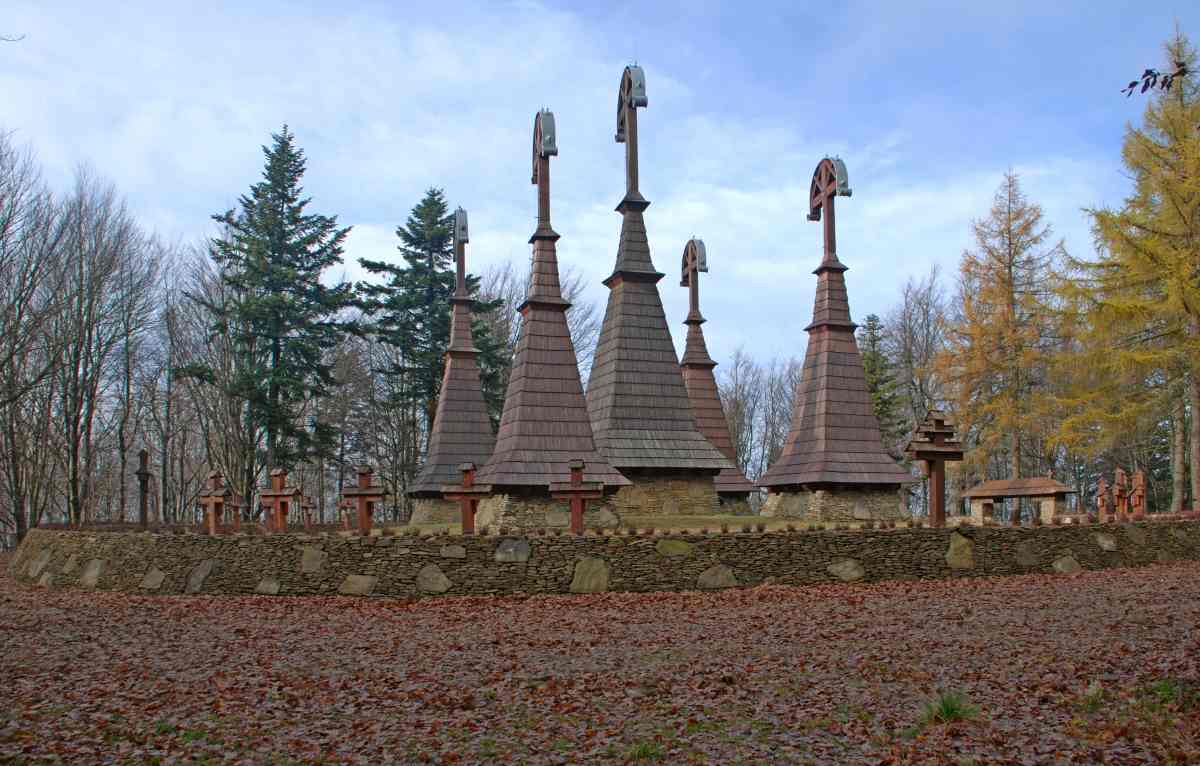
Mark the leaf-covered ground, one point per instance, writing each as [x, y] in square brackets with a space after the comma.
[1100, 667]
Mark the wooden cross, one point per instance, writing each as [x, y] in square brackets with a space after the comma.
[695, 260]
[468, 494]
[630, 96]
[460, 253]
[545, 146]
[578, 492]
[829, 181]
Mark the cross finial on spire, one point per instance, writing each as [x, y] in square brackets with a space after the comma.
[545, 146]
[630, 96]
[829, 181]
[460, 252]
[695, 260]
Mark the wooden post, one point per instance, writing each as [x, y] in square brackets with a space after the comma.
[143, 477]
[468, 495]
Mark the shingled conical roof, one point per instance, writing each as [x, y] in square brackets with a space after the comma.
[834, 438]
[545, 423]
[699, 379]
[462, 431]
[637, 400]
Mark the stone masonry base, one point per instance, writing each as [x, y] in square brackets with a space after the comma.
[533, 511]
[434, 510]
[667, 495]
[836, 505]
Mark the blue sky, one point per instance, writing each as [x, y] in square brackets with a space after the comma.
[928, 104]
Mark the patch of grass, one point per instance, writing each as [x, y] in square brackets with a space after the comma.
[487, 747]
[1171, 692]
[948, 707]
[646, 751]
[1093, 699]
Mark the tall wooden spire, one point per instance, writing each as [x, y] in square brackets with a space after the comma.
[698, 375]
[834, 439]
[462, 432]
[636, 397]
[544, 426]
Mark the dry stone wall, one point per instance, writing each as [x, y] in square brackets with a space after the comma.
[297, 564]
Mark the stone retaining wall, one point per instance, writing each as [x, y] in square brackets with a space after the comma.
[296, 564]
[667, 495]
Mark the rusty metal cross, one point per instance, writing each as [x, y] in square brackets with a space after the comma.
[695, 260]
[630, 96]
[829, 180]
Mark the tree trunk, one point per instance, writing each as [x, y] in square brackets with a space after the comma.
[1178, 453]
[1194, 435]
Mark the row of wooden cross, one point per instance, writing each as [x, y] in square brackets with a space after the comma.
[1126, 497]
[362, 499]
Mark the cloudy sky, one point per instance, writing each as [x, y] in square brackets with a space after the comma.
[928, 104]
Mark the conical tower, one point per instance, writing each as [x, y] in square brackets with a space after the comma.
[833, 466]
[462, 431]
[733, 488]
[636, 397]
[545, 424]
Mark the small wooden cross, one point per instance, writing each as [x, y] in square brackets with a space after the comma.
[578, 492]
[468, 494]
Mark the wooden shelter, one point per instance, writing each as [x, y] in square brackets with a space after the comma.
[544, 425]
[216, 499]
[462, 431]
[833, 465]
[933, 443]
[637, 400]
[278, 500]
[1049, 495]
[733, 488]
[366, 497]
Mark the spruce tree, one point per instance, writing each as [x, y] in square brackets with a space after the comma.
[283, 320]
[885, 393]
[411, 309]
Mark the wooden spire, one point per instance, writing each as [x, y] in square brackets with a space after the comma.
[462, 431]
[637, 400]
[698, 375]
[834, 438]
[544, 426]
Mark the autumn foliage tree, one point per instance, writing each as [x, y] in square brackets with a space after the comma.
[1137, 305]
[998, 347]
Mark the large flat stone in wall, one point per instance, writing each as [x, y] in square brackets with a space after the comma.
[513, 550]
[846, 570]
[91, 573]
[1106, 541]
[199, 575]
[961, 553]
[46, 580]
[591, 576]
[357, 585]
[312, 559]
[453, 552]
[431, 579]
[38, 563]
[268, 586]
[71, 565]
[716, 576]
[674, 548]
[1067, 564]
[153, 579]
